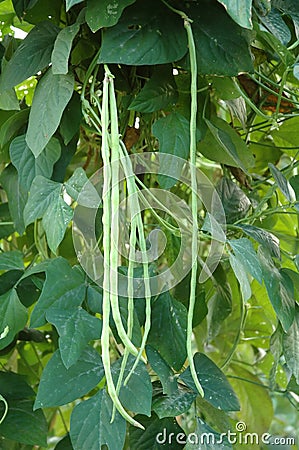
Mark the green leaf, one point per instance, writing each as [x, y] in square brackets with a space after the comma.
[159, 434]
[51, 96]
[136, 395]
[290, 346]
[280, 293]
[24, 425]
[206, 438]
[14, 386]
[162, 369]
[220, 307]
[221, 45]
[59, 386]
[55, 221]
[174, 404]
[289, 7]
[70, 3]
[33, 54]
[246, 255]
[13, 317]
[242, 277]
[9, 100]
[27, 165]
[17, 197]
[71, 119]
[230, 149]
[22, 6]
[104, 14]
[46, 201]
[256, 405]
[11, 260]
[240, 12]
[275, 24]
[82, 190]
[75, 328]
[91, 425]
[235, 203]
[217, 389]
[12, 125]
[64, 288]
[267, 239]
[168, 330]
[146, 34]
[282, 183]
[43, 193]
[62, 47]
[173, 134]
[159, 92]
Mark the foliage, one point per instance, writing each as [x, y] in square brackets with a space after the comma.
[55, 123]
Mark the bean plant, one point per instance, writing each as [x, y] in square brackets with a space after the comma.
[149, 194]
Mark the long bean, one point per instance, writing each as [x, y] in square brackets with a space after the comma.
[115, 154]
[106, 245]
[193, 281]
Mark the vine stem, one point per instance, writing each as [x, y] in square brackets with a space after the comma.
[2, 399]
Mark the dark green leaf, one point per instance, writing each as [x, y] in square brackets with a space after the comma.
[245, 253]
[147, 33]
[290, 346]
[32, 55]
[17, 197]
[168, 330]
[64, 288]
[280, 293]
[6, 223]
[51, 96]
[82, 190]
[11, 260]
[45, 11]
[59, 385]
[274, 22]
[13, 317]
[24, 425]
[289, 7]
[206, 438]
[162, 369]
[159, 92]
[217, 389]
[9, 100]
[136, 395]
[71, 119]
[22, 6]
[221, 45]
[14, 386]
[105, 13]
[27, 165]
[239, 12]
[65, 444]
[235, 203]
[174, 139]
[76, 328]
[91, 427]
[159, 434]
[267, 239]
[175, 404]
